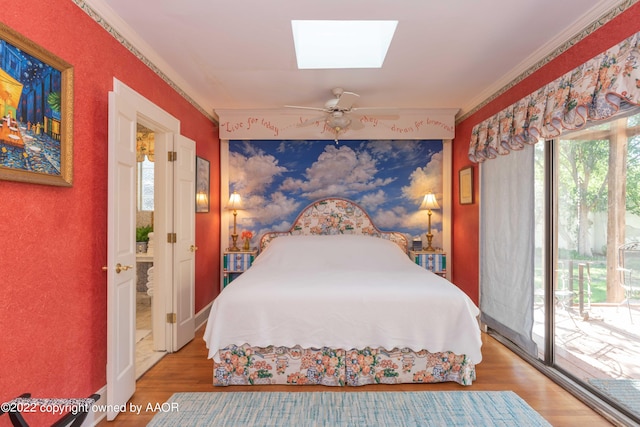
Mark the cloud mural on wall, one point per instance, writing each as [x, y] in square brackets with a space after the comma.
[277, 179]
[337, 171]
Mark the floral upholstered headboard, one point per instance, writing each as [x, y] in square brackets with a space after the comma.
[335, 216]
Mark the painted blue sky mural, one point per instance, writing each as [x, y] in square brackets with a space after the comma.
[277, 179]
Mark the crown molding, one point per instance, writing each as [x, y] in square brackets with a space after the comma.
[104, 15]
[590, 21]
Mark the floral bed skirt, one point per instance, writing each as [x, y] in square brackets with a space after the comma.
[246, 365]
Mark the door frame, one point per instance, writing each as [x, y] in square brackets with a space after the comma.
[164, 126]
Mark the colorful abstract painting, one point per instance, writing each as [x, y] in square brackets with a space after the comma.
[36, 113]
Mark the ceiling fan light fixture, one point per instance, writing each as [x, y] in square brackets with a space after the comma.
[337, 112]
[338, 122]
[362, 44]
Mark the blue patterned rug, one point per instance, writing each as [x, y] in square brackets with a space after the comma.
[334, 409]
[625, 392]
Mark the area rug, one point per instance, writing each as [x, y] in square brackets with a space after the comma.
[334, 409]
[625, 392]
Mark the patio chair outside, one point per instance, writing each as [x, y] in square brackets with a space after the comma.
[629, 269]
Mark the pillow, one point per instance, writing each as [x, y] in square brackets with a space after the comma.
[344, 251]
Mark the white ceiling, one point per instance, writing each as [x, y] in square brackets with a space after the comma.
[445, 54]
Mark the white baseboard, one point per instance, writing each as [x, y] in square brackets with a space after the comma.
[203, 315]
[95, 416]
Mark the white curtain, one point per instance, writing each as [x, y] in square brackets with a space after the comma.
[507, 246]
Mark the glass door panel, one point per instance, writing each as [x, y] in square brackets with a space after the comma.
[596, 311]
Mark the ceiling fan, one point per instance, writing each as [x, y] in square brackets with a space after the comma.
[341, 114]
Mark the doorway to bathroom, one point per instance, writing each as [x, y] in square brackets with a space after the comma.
[146, 356]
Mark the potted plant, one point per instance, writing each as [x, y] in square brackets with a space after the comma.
[142, 238]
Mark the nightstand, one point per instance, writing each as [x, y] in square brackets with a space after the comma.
[432, 261]
[235, 263]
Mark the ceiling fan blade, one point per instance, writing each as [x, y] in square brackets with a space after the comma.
[346, 100]
[311, 121]
[356, 124]
[305, 108]
[380, 113]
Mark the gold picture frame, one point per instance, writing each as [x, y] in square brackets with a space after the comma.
[36, 112]
[465, 189]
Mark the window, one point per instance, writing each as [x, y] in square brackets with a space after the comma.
[557, 277]
[594, 209]
[145, 185]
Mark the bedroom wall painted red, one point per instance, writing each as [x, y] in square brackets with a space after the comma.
[465, 218]
[53, 244]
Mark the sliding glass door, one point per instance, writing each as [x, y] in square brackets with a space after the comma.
[587, 258]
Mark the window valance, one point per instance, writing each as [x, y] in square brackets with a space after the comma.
[596, 90]
[145, 146]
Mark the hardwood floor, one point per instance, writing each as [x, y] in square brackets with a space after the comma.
[190, 370]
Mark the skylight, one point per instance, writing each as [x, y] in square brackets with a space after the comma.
[342, 44]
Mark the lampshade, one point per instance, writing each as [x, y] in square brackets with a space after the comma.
[202, 200]
[235, 202]
[429, 202]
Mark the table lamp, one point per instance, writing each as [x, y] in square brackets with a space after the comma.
[429, 203]
[235, 203]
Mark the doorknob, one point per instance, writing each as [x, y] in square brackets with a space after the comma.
[193, 248]
[120, 267]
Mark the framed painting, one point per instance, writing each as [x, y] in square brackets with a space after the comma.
[36, 111]
[202, 185]
[466, 185]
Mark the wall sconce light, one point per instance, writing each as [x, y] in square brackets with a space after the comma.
[202, 202]
[429, 203]
[235, 203]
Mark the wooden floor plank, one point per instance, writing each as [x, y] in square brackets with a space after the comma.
[190, 370]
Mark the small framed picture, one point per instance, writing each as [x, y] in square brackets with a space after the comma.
[417, 244]
[202, 185]
[465, 191]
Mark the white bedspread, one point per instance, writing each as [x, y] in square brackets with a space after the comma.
[344, 292]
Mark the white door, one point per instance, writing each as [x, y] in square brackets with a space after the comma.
[184, 250]
[121, 254]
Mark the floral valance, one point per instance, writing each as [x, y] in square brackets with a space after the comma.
[596, 90]
[145, 146]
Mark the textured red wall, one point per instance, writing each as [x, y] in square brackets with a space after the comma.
[465, 218]
[53, 240]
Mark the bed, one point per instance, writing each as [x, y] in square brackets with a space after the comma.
[337, 302]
